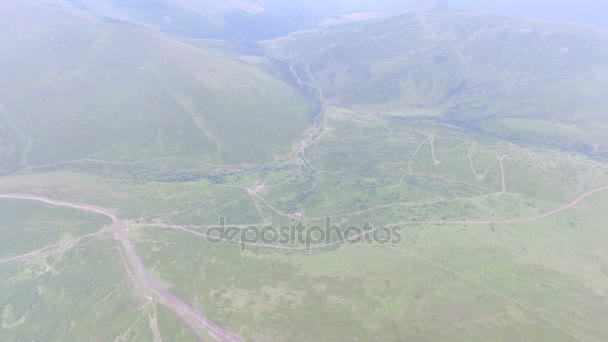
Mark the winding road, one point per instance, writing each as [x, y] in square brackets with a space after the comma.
[150, 288]
[192, 230]
[142, 281]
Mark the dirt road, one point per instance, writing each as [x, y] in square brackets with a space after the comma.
[144, 283]
[515, 220]
[151, 288]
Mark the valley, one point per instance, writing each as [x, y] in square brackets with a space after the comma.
[124, 146]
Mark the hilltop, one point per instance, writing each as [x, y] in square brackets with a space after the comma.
[75, 87]
[503, 76]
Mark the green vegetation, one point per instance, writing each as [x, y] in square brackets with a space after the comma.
[473, 281]
[60, 279]
[116, 92]
[26, 227]
[501, 283]
[481, 73]
[483, 139]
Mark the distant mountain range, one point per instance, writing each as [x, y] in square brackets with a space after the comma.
[247, 20]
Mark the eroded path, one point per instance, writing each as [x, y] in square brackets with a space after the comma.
[143, 282]
[194, 230]
[151, 289]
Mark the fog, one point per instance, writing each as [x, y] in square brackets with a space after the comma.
[590, 12]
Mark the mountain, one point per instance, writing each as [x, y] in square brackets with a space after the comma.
[182, 17]
[247, 20]
[241, 20]
[75, 87]
[302, 170]
[477, 71]
[589, 12]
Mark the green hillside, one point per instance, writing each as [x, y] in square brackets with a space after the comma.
[473, 70]
[73, 87]
[236, 20]
[449, 172]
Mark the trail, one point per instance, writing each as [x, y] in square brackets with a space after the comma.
[447, 154]
[264, 245]
[126, 163]
[198, 323]
[363, 234]
[503, 176]
[253, 193]
[432, 143]
[516, 220]
[484, 174]
[153, 323]
[52, 248]
[411, 160]
[296, 248]
[139, 162]
[300, 150]
[138, 275]
[273, 208]
[399, 204]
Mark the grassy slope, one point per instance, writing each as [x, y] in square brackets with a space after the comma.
[552, 268]
[234, 20]
[477, 71]
[83, 88]
[74, 291]
[540, 280]
[80, 294]
[387, 294]
[500, 281]
[240, 20]
[27, 227]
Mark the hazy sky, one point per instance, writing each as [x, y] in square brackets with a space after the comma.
[594, 12]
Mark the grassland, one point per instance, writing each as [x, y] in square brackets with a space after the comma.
[113, 91]
[62, 280]
[78, 294]
[497, 76]
[462, 269]
[502, 230]
[31, 227]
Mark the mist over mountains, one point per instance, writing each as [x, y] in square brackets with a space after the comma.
[304, 170]
[263, 19]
